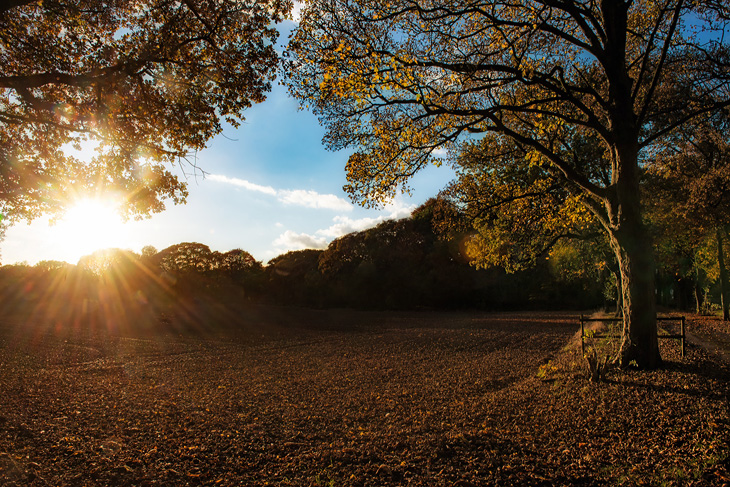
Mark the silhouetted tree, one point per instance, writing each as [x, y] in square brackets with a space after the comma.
[108, 260]
[52, 265]
[294, 279]
[186, 257]
[148, 251]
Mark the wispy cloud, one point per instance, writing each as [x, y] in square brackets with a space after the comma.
[242, 183]
[312, 199]
[298, 197]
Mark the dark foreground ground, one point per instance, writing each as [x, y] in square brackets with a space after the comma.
[341, 398]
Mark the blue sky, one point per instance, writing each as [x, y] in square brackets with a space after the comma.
[271, 187]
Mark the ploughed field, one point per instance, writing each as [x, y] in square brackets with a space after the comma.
[337, 398]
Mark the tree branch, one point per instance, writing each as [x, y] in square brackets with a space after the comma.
[660, 65]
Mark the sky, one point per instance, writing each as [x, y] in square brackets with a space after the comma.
[271, 186]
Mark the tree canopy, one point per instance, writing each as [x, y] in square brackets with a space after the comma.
[402, 81]
[516, 210]
[690, 199]
[142, 84]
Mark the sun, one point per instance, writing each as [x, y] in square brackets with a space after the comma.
[89, 225]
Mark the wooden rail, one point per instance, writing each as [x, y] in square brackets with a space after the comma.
[682, 336]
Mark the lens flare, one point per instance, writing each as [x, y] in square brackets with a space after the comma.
[90, 224]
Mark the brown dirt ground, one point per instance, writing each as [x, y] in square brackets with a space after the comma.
[342, 398]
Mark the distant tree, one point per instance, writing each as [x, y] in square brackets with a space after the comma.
[294, 279]
[146, 81]
[186, 257]
[420, 262]
[241, 269]
[378, 266]
[148, 251]
[689, 192]
[293, 261]
[19, 288]
[343, 254]
[402, 80]
[51, 265]
[237, 260]
[108, 261]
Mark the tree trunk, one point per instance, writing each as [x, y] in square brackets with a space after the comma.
[629, 239]
[723, 277]
[698, 297]
[639, 346]
[632, 245]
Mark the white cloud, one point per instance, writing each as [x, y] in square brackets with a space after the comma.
[298, 197]
[242, 183]
[290, 240]
[342, 225]
[398, 209]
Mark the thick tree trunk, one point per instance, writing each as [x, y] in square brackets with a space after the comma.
[632, 245]
[629, 238]
[724, 289]
[640, 346]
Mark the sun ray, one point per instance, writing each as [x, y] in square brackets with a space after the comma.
[89, 225]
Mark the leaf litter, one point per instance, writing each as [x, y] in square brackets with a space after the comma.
[371, 399]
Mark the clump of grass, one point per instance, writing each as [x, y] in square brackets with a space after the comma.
[600, 351]
[597, 369]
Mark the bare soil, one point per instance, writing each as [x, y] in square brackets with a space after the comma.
[293, 397]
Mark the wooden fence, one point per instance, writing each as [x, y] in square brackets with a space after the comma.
[681, 336]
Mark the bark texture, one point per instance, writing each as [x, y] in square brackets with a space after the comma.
[635, 256]
[640, 345]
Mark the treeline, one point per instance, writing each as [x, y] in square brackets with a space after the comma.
[406, 264]
[399, 264]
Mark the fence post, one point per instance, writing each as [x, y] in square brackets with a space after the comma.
[683, 335]
[582, 334]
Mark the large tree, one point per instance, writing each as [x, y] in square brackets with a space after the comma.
[402, 80]
[516, 213]
[145, 83]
